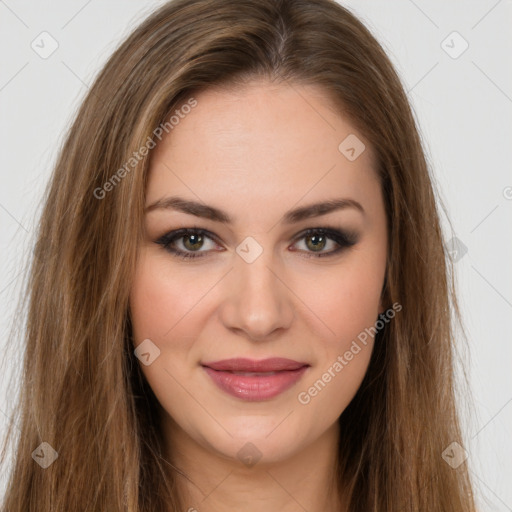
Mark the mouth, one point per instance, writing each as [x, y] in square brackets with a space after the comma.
[253, 380]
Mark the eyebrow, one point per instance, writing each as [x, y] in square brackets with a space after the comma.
[209, 212]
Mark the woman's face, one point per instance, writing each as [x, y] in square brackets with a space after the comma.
[248, 168]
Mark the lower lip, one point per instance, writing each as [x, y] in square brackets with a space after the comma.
[257, 387]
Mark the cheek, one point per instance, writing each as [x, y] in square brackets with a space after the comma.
[346, 307]
[346, 300]
[349, 308]
[161, 302]
[332, 387]
[162, 296]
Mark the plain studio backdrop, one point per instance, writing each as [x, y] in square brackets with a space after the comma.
[454, 59]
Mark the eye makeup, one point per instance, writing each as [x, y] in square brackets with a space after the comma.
[342, 238]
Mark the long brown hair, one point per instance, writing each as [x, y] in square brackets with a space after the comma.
[82, 389]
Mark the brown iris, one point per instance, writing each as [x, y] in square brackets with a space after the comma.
[318, 242]
[195, 239]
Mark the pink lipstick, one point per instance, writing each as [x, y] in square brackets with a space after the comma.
[255, 380]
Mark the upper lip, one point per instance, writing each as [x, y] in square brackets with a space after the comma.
[273, 364]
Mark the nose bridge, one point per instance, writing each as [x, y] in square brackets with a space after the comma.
[257, 277]
[259, 301]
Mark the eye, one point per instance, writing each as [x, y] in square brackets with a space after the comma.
[317, 239]
[192, 240]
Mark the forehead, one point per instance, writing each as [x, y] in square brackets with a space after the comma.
[261, 145]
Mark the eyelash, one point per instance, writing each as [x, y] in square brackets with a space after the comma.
[344, 239]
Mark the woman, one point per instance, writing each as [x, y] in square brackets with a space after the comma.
[240, 297]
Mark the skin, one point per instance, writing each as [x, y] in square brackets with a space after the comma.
[257, 152]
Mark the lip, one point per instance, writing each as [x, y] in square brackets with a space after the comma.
[249, 383]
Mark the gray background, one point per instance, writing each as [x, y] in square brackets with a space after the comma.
[462, 100]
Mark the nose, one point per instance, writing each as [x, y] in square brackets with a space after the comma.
[257, 300]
